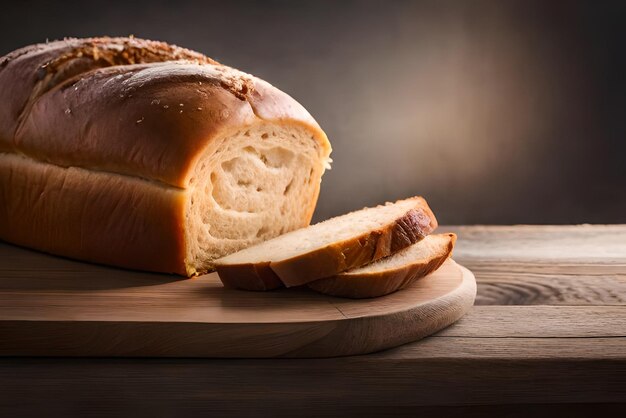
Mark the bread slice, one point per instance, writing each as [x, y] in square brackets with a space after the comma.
[391, 273]
[328, 248]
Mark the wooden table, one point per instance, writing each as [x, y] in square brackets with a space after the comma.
[547, 337]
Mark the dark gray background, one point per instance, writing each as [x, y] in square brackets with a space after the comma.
[496, 111]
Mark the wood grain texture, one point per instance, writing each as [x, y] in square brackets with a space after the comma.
[555, 322]
[514, 348]
[596, 246]
[345, 386]
[545, 265]
[73, 309]
[551, 343]
[505, 287]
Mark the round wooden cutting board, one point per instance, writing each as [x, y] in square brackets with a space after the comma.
[51, 306]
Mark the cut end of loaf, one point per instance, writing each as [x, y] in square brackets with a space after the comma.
[252, 185]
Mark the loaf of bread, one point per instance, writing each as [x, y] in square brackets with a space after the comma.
[144, 155]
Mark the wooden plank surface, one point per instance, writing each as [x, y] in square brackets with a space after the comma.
[505, 287]
[318, 387]
[545, 265]
[549, 338]
[544, 248]
[556, 322]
